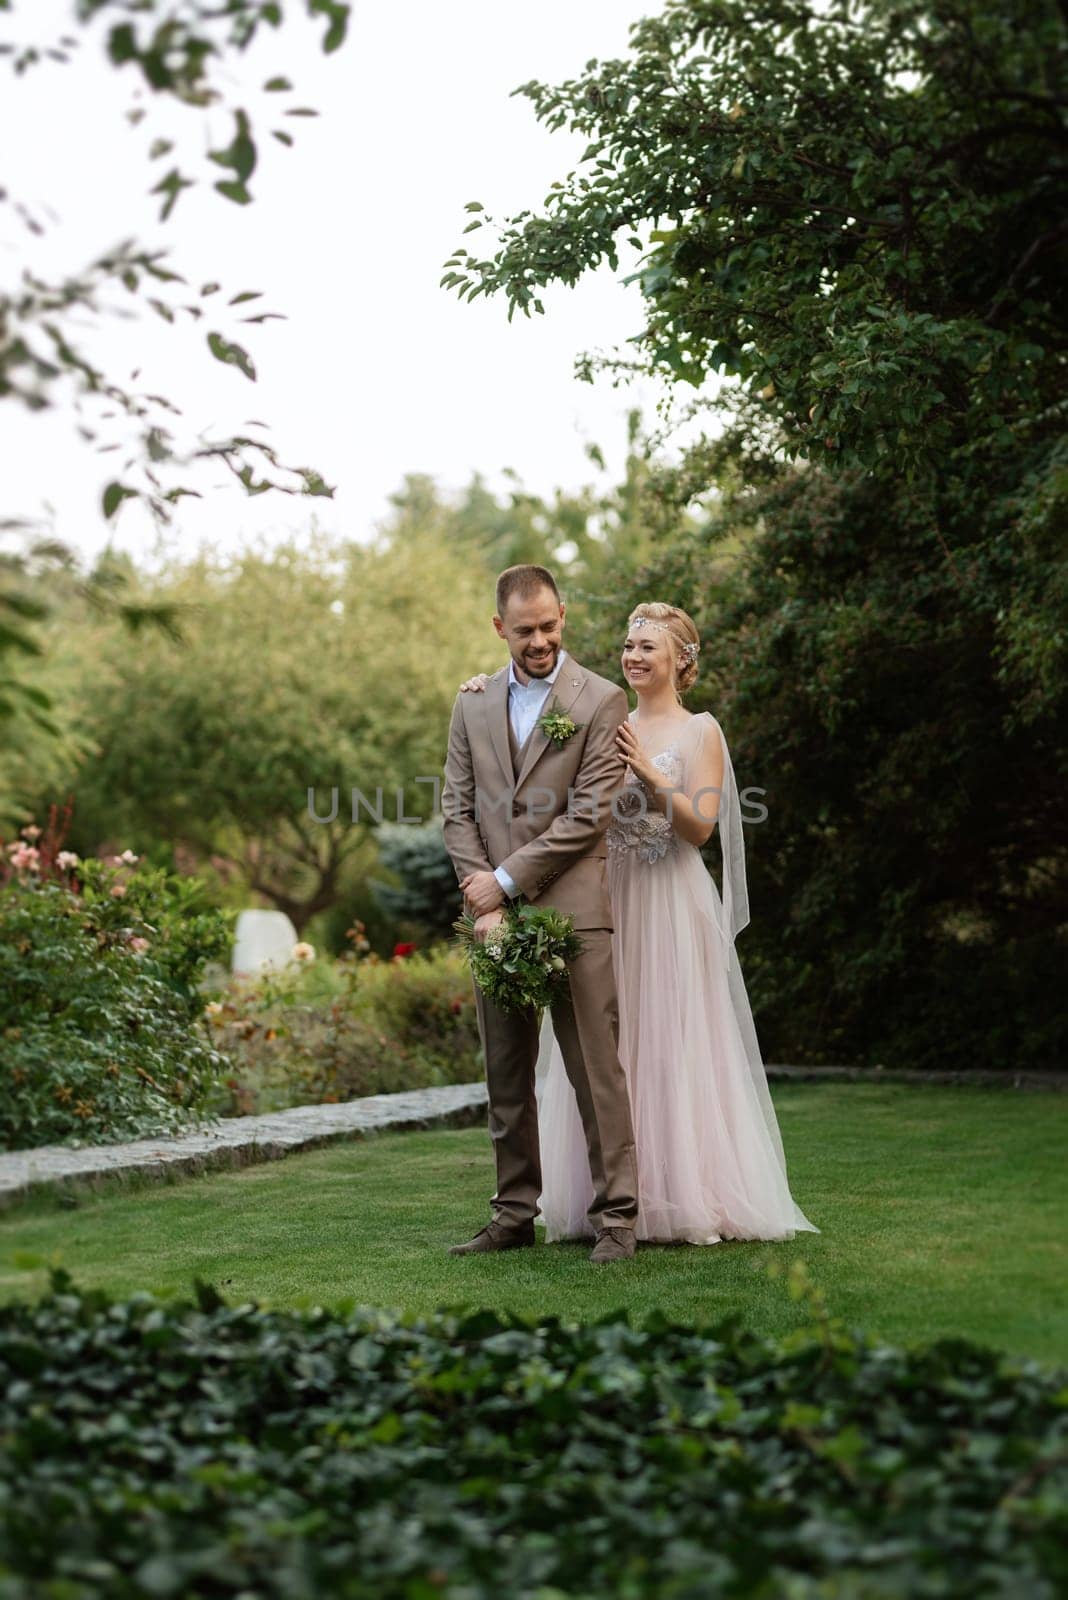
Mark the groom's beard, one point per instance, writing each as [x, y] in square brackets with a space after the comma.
[540, 666]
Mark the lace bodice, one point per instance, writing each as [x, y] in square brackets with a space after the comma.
[640, 826]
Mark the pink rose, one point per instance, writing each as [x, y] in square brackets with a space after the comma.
[138, 944]
[67, 860]
[118, 890]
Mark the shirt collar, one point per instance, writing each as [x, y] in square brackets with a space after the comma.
[513, 681]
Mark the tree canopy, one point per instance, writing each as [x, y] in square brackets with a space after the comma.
[299, 669]
[856, 209]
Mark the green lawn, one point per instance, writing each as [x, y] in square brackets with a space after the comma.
[942, 1213]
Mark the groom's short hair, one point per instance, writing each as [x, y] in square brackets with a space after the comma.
[523, 580]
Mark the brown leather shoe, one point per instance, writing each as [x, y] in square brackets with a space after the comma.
[496, 1236]
[613, 1244]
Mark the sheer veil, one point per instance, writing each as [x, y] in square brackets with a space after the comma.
[730, 912]
[733, 900]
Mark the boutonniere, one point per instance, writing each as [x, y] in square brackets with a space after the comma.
[557, 726]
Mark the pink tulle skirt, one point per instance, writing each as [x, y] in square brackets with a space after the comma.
[710, 1156]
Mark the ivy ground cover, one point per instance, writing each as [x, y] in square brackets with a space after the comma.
[153, 1450]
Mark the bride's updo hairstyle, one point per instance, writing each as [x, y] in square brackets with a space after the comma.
[682, 632]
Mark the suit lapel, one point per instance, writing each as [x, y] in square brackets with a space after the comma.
[495, 700]
[562, 696]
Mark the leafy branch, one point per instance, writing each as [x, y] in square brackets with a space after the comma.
[178, 54]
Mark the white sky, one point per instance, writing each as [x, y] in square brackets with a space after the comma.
[377, 371]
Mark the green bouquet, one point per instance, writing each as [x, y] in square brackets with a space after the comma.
[523, 961]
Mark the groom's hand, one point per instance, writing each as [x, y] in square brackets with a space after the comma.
[482, 892]
[492, 919]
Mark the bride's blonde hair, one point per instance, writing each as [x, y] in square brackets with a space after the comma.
[682, 630]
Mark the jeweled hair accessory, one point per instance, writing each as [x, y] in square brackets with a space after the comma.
[689, 650]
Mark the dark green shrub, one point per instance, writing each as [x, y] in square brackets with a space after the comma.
[164, 1450]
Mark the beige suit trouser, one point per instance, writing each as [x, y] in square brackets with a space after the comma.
[586, 1024]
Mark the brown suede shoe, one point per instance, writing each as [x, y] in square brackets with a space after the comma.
[613, 1244]
[496, 1236]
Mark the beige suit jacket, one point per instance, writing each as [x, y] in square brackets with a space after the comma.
[545, 824]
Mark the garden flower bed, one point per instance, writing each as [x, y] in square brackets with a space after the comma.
[324, 1030]
[111, 1028]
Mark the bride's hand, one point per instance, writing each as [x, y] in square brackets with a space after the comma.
[629, 747]
[475, 684]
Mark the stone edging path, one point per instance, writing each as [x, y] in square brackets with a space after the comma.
[238, 1141]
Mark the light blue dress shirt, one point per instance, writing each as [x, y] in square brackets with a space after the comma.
[526, 701]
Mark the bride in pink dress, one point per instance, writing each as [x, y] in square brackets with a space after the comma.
[710, 1155]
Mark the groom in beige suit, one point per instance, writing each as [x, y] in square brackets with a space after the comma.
[526, 817]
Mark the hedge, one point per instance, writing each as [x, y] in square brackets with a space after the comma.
[149, 1448]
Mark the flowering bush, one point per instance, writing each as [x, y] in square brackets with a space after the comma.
[334, 1030]
[100, 1030]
